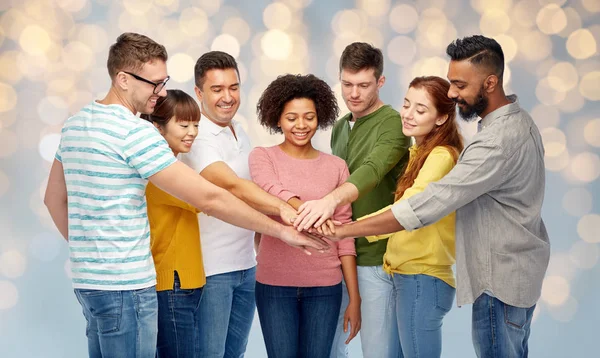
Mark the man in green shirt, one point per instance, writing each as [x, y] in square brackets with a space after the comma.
[370, 140]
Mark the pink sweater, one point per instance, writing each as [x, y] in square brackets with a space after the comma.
[308, 179]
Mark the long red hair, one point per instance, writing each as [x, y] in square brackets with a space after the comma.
[446, 135]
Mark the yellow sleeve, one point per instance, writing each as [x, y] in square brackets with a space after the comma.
[154, 194]
[436, 166]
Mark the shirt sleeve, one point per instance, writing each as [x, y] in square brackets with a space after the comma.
[203, 154]
[58, 155]
[343, 214]
[147, 151]
[479, 170]
[264, 174]
[390, 147]
[157, 196]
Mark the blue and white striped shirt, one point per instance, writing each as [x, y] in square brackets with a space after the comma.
[107, 155]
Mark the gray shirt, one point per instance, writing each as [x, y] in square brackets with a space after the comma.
[497, 190]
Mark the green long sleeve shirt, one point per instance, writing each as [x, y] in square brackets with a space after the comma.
[376, 152]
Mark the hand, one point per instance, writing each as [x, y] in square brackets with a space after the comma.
[328, 228]
[288, 214]
[302, 240]
[353, 317]
[314, 213]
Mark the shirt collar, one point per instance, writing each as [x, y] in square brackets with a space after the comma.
[512, 107]
[216, 129]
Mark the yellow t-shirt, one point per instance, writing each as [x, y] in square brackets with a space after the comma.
[174, 240]
[429, 250]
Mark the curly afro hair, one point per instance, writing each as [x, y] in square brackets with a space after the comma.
[289, 87]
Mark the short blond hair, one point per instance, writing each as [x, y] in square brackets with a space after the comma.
[132, 51]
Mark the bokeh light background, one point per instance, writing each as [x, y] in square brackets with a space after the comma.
[53, 61]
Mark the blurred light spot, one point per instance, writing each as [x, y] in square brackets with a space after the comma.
[45, 247]
[545, 116]
[591, 5]
[9, 296]
[94, 36]
[553, 2]
[551, 19]
[547, 94]
[8, 97]
[168, 6]
[563, 76]
[581, 44]
[53, 110]
[238, 28]
[181, 67]
[524, 13]
[494, 22]
[536, 313]
[133, 23]
[373, 36]
[32, 66]
[402, 50]
[506, 77]
[4, 182]
[432, 66]
[554, 141]
[297, 4]
[555, 290]
[509, 46]
[226, 43]
[584, 255]
[374, 8]
[34, 40]
[48, 146]
[340, 43]
[277, 16]
[276, 45]
[588, 228]
[77, 56]
[78, 99]
[137, 7]
[586, 167]
[348, 21]
[566, 311]
[591, 132]
[12, 264]
[9, 70]
[210, 6]
[535, 46]
[71, 5]
[573, 22]
[561, 265]
[434, 32]
[577, 201]
[558, 162]
[572, 102]
[243, 72]
[589, 87]
[483, 5]
[404, 18]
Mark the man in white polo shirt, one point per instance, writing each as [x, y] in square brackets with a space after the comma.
[220, 154]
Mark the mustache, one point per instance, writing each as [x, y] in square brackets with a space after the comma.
[459, 101]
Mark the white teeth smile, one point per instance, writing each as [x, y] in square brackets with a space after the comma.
[301, 134]
[225, 107]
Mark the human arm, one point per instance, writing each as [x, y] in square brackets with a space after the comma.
[157, 196]
[256, 242]
[352, 314]
[56, 199]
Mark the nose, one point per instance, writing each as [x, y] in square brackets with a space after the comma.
[354, 93]
[300, 123]
[162, 92]
[407, 113]
[227, 96]
[193, 130]
[452, 93]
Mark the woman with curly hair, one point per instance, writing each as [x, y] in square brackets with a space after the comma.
[298, 297]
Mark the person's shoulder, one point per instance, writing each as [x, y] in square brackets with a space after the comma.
[334, 160]
[442, 151]
[263, 151]
[343, 120]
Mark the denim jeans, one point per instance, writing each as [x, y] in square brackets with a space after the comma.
[422, 301]
[226, 313]
[178, 322]
[298, 322]
[379, 332]
[500, 330]
[339, 348]
[120, 324]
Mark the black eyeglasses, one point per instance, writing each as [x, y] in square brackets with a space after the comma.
[158, 86]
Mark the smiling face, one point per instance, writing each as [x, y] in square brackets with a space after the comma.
[361, 91]
[419, 115]
[220, 95]
[466, 89]
[179, 135]
[298, 121]
[141, 96]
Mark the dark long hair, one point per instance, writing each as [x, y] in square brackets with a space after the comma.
[445, 135]
[176, 104]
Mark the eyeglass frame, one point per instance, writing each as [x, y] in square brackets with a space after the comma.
[155, 84]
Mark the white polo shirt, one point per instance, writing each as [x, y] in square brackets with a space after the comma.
[225, 247]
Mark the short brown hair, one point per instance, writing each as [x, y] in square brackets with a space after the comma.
[131, 51]
[213, 60]
[176, 104]
[362, 56]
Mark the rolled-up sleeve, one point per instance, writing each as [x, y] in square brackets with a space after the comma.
[479, 170]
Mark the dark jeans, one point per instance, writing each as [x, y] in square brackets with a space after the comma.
[500, 330]
[298, 322]
[178, 322]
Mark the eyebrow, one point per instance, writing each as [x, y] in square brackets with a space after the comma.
[418, 104]
[458, 81]
[309, 112]
[221, 86]
[360, 83]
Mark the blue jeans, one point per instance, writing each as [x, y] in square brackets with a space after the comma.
[500, 330]
[226, 314]
[120, 323]
[298, 322]
[178, 322]
[339, 348]
[422, 301]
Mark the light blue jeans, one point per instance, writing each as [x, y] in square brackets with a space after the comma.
[226, 313]
[422, 301]
[500, 330]
[120, 324]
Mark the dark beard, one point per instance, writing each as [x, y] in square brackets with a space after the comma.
[469, 113]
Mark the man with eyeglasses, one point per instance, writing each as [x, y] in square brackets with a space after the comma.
[95, 196]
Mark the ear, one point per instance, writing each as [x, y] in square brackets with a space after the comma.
[279, 124]
[381, 81]
[490, 83]
[121, 81]
[441, 120]
[198, 93]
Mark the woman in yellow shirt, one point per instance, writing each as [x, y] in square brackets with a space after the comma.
[175, 236]
[421, 260]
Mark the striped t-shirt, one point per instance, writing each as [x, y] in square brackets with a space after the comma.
[107, 155]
